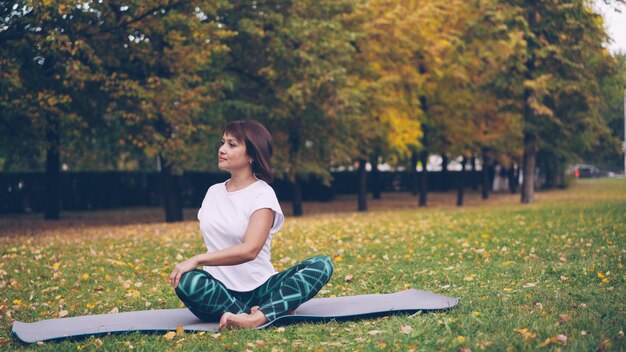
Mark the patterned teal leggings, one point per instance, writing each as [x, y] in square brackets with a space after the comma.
[208, 298]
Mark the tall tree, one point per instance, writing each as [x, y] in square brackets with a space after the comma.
[560, 86]
[607, 154]
[142, 69]
[407, 45]
[165, 79]
[288, 62]
[492, 55]
[50, 62]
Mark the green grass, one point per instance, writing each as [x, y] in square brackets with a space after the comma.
[524, 274]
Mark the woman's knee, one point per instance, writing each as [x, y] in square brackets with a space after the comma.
[324, 263]
[191, 282]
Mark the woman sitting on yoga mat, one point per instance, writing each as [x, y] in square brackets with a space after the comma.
[239, 285]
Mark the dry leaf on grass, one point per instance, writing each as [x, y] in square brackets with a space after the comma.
[605, 345]
[375, 332]
[406, 329]
[180, 331]
[559, 339]
[528, 335]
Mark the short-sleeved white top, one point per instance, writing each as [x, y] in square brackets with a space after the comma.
[224, 217]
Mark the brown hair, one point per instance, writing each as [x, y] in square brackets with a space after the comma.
[258, 145]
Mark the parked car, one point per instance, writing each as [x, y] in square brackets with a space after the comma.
[586, 171]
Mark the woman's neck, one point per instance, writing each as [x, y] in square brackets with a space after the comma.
[240, 180]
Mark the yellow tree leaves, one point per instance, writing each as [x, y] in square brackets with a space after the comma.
[443, 56]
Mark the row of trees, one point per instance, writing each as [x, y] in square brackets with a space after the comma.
[103, 84]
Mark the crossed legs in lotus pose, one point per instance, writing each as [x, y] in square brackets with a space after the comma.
[210, 300]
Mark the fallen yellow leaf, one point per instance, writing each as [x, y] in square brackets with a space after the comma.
[559, 339]
[605, 345]
[528, 335]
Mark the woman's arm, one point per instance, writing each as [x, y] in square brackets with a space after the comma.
[256, 234]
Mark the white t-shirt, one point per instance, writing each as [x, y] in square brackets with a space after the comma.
[224, 217]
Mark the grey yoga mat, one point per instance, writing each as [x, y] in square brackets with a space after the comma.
[316, 310]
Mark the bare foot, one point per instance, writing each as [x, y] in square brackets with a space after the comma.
[243, 320]
[223, 319]
[289, 312]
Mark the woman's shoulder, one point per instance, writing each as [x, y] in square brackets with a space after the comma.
[263, 187]
[217, 187]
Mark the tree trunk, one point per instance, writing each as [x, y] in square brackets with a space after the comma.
[424, 153]
[376, 182]
[513, 179]
[561, 177]
[551, 176]
[423, 179]
[486, 179]
[555, 175]
[459, 196]
[294, 147]
[296, 200]
[170, 190]
[530, 140]
[530, 155]
[362, 206]
[473, 178]
[8, 162]
[444, 173]
[53, 169]
[413, 173]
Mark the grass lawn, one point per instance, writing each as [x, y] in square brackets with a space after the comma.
[545, 276]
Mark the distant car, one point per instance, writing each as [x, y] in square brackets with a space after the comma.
[586, 170]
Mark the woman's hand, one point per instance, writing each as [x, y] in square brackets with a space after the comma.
[256, 234]
[181, 268]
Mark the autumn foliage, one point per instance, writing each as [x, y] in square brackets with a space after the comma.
[108, 85]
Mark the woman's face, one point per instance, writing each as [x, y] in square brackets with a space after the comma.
[232, 155]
